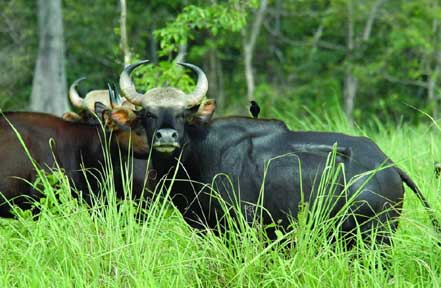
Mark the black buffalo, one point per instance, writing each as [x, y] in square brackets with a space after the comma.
[257, 162]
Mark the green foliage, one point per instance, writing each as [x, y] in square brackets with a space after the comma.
[163, 74]
[216, 18]
[18, 43]
[300, 58]
[92, 46]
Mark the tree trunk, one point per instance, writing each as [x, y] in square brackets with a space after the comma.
[210, 67]
[248, 48]
[350, 91]
[370, 22]
[123, 31]
[432, 85]
[220, 86]
[215, 77]
[433, 78]
[431, 95]
[350, 81]
[153, 45]
[49, 84]
[249, 73]
[276, 73]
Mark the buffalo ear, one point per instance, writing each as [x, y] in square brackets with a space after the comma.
[124, 117]
[113, 118]
[205, 112]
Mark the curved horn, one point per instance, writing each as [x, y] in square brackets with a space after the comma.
[74, 97]
[118, 99]
[115, 99]
[199, 92]
[111, 94]
[128, 89]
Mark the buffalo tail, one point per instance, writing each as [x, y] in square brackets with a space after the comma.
[409, 182]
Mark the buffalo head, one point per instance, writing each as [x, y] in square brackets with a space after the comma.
[166, 110]
[130, 132]
[101, 105]
[86, 105]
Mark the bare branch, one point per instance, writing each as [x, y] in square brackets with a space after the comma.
[319, 43]
[331, 46]
[317, 36]
[153, 44]
[123, 31]
[393, 79]
[255, 30]
[370, 22]
[309, 13]
[249, 45]
[350, 35]
[277, 16]
[273, 32]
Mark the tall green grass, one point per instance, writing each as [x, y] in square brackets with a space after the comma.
[120, 244]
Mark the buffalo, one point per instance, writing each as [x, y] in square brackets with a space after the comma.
[52, 141]
[111, 100]
[261, 164]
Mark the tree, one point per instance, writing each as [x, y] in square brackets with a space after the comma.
[415, 51]
[249, 44]
[49, 84]
[372, 57]
[354, 43]
[123, 31]
[201, 30]
[18, 46]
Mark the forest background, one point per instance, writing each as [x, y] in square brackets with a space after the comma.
[372, 59]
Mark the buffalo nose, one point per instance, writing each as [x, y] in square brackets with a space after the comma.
[166, 135]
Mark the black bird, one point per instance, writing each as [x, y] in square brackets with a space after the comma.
[437, 169]
[254, 109]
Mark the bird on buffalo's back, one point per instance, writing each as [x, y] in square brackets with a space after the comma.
[437, 169]
[254, 109]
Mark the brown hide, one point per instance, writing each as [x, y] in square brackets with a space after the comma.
[74, 144]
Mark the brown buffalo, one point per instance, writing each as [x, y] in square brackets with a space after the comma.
[111, 100]
[51, 140]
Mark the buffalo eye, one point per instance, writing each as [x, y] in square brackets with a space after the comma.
[149, 115]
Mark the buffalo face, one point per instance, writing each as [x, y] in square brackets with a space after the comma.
[166, 110]
[165, 127]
